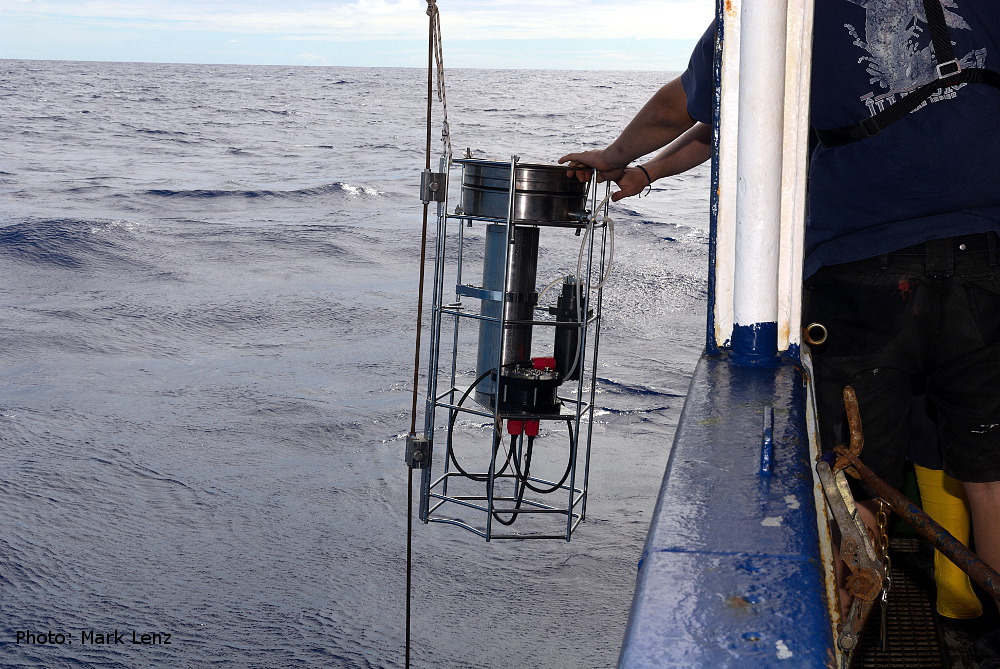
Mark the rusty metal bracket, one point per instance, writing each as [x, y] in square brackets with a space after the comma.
[940, 538]
[849, 459]
[864, 583]
[857, 436]
[857, 551]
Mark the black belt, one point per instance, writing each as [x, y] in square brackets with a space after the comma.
[980, 241]
[939, 255]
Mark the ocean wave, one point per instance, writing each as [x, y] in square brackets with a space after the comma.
[628, 399]
[65, 243]
[279, 112]
[171, 133]
[610, 411]
[54, 117]
[208, 193]
[621, 388]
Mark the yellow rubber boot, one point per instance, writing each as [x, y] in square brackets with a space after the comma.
[944, 500]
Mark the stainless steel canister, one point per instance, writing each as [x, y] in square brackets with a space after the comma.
[543, 194]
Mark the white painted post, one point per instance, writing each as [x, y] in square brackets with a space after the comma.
[725, 222]
[759, 167]
[795, 165]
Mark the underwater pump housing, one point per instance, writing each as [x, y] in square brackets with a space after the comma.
[509, 411]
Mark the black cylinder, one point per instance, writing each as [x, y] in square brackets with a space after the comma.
[517, 303]
[567, 342]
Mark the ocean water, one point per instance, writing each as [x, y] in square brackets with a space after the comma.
[206, 336]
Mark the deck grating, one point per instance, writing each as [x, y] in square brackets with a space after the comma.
[914, 642]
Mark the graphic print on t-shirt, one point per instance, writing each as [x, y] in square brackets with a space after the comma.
[899, 56]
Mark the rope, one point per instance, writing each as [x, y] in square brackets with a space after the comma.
[589, 231]
[434, 55]
[436, 45]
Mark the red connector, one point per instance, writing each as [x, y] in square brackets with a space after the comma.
[544, 363]
[528, 427]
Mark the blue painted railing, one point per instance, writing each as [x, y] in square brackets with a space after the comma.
[731, 574]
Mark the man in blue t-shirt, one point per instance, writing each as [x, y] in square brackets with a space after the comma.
[902, 258]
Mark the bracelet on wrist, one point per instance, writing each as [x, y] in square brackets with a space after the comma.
[649, 180]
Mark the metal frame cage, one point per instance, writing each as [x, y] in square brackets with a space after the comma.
[497, 414]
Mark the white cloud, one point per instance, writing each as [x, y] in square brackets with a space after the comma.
[385, 6]
[391, 19]
[664, 19]
[311, 58]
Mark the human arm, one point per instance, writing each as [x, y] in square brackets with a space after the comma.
[689, 150]
[660, 121]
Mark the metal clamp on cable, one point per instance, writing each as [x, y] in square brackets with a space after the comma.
[418, 451]
[433, 186]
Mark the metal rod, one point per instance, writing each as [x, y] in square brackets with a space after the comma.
[443, 233]
[926, 526]
[435, 343]
[585, 406]
[711, 343]
[416, 355]
[451, 521]
[533, 479]
[490, 478]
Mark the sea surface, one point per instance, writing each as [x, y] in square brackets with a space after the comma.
[207, 321]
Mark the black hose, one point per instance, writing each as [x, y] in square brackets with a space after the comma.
[519, 494]
[522, 478]
[451, 429]
[527, 465]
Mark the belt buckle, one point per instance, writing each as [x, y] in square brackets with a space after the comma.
[870, 127]
[948, 68]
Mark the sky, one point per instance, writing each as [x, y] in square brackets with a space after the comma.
[536, 34]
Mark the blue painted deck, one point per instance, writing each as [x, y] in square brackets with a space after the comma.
[731, 573]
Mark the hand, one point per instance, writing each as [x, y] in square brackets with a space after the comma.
[605, 171]
[632, 182]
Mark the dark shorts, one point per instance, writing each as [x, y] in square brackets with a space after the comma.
[925, 318]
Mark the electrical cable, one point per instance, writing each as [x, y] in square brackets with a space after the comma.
[561, 277]
[451, 428]
[579, 261]
[518, 494]
[510, 459]
[588, 232]
[527, 464]
[525, 478]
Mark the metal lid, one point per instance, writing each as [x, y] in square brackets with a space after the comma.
[529, 178]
